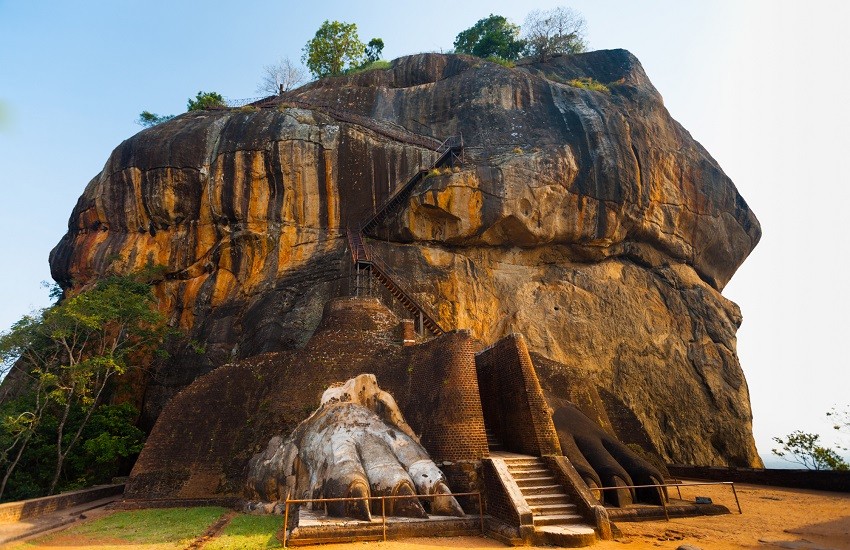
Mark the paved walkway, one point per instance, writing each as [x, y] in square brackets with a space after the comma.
[26, 528]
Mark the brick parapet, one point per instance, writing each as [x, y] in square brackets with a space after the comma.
[514, 400]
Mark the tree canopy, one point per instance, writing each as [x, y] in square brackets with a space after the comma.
[806, 449]
[66, 357]
[148, 119]
[281, 76]
[205, 100]
[373, 50]
[493, 36]
[334, 49]
[556, 31]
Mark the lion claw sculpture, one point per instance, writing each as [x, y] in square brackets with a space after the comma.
[603, 461]
[356, 444]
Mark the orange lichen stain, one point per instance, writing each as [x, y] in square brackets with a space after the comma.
[258, 205]
[137, 217]
[225, 283]
[330, 191]
[88, 219]
[190, 290]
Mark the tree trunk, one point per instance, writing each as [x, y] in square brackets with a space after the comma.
[14, 463]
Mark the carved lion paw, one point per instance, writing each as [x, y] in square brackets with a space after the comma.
[355, 445]
[603, 461]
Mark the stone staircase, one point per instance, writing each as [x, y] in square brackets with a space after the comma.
[555, 518]
[493, 442]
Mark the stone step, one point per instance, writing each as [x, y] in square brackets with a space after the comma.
[523, 463]
[536, 472]
[547, 499]
[535, 481]
[542, 490]
[557, 519]
[568, 536]
[549, 509]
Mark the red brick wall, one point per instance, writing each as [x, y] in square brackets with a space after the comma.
[514, 404]
[201, 444]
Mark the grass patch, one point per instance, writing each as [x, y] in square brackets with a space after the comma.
[177, 526]
[374, 65]
[503, 62]
[248, 531]
[587, 83]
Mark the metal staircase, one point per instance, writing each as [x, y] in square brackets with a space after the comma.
[366, 262]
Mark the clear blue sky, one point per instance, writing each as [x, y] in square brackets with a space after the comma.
[761, 84]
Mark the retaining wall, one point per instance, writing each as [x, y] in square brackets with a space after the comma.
[821, 480]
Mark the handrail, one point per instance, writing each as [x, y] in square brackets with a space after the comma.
[678, 487]
[427, 316]
[383, 500]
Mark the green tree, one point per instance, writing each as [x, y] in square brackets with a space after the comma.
[69, 353]
[805, 449]
[557, 31]
[148, 119]
[205, 100]
[373, 50]
[334, 49]
[493, 36]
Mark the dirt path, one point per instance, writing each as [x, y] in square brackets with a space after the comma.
[212, 531]
[772, 518]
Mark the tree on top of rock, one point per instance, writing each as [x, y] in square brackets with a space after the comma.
[281, 77]
[334, 49]
[557, 31]
[205, 100]
[493, 36]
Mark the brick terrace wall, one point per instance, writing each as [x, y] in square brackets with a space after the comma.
[822, 480]
[499, 504]
[516, 409]
[201, 444]
[442, 401]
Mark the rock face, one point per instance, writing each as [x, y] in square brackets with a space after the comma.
[591, 222]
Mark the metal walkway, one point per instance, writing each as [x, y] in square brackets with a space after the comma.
[367, 263]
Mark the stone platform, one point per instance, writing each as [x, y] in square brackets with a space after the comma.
[316, 528]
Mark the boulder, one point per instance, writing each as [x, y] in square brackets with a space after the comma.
[590, 221]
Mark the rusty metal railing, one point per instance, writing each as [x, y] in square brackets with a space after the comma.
[383, 500]
[678, 487]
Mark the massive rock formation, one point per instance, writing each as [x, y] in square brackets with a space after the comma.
[589, 221]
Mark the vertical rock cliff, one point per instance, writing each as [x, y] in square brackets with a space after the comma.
[589, 221]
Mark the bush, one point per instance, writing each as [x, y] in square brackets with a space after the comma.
[503, 62]
[205, 100]
[587, 83]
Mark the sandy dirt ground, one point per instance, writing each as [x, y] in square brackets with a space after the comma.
[772, 518]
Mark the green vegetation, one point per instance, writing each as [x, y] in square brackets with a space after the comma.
[166, 529]
[373, 50]
[248, 531]
[374, 65]
[805, 449]
[172, 526]
[148, 119]
[66, 359]
[503, 62]
[491, 37]
[588, 83]
[334, 49]
[205, 100]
